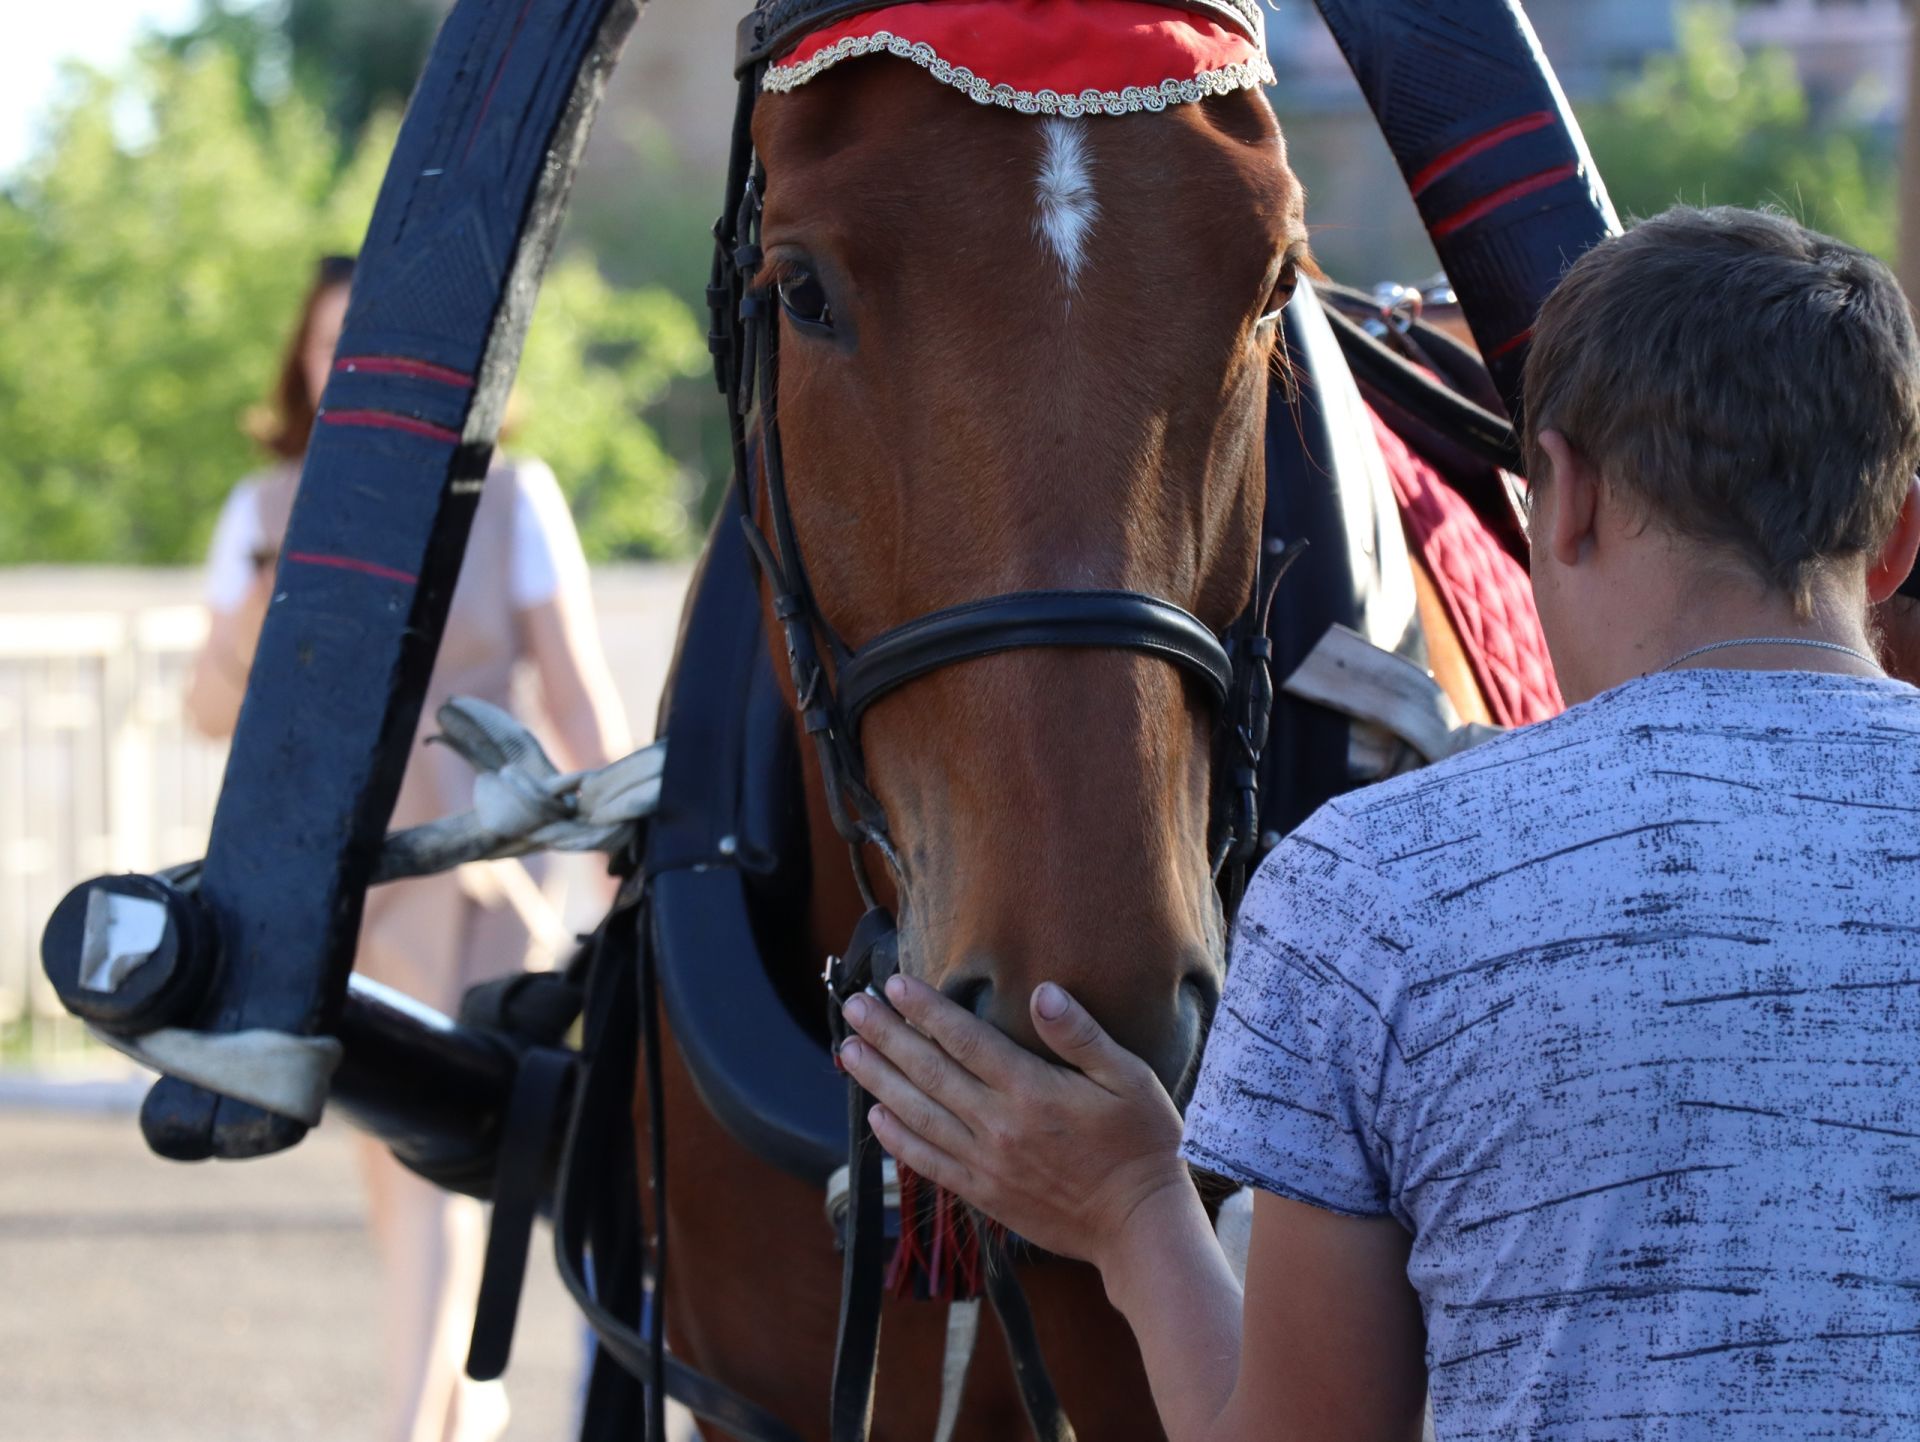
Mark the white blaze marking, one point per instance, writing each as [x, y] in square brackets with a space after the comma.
[1067, 207]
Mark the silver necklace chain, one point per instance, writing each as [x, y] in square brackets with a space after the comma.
[1806, 641]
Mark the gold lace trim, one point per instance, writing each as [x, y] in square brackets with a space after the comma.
[1135, 98]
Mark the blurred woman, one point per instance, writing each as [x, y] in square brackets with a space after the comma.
[521, 604]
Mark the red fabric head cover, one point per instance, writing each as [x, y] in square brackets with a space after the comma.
[1048, 57]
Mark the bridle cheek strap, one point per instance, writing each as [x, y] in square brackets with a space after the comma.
[1017, 620]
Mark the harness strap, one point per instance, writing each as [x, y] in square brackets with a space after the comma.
[1116, 620]
[1428, 400]
[963, 1331]
[540, 1088]
[587, 1224]
[1044, 1413]
[856, 1349]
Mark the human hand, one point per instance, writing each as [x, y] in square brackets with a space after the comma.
[1065, 1156]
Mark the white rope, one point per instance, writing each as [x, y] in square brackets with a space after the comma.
[963, 1318]
[840, 1192]
[1348, 673]
[963, 1330]
[521, 800]
[277, 1072]
[1233, 1225]
[521, 803]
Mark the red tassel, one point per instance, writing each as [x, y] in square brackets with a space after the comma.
[939, 1264]
[908, 1259]
[938, 1256]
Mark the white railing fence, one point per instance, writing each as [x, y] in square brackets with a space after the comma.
[99, 770]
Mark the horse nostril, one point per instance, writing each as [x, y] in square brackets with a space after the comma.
[975, 993]
[1203, 985]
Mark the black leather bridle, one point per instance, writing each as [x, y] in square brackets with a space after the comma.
[834, 685]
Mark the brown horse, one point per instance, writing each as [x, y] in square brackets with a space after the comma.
[1016, 354]
[1045, 365]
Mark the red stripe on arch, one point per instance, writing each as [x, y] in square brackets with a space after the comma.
[352, 563]
[486, 102]
[396, 365]
[1480, 144]
[1504, 196]
[390, 421]
[1509, 346]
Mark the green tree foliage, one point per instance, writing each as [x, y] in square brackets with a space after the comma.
[354, 58]
[595, 354]
[148, 284]
[1715, 123]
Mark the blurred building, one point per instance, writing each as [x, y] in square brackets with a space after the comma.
[673, 90]
[1850, 53]
[654, 163]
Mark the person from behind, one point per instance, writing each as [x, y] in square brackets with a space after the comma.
[521, 604]
[1579, 1075]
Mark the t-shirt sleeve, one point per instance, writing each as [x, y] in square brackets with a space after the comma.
[547, 558]
[237, 539]
[1290, 1085]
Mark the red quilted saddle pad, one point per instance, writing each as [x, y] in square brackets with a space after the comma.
[1485, 591]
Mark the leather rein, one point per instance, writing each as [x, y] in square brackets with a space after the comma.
[835, 685]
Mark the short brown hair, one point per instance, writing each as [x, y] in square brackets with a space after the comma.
[1756, 384]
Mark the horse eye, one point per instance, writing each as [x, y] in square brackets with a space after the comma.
[1282, 294]
[805, 301]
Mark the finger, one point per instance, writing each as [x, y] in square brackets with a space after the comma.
[920, 1155]
[1072, 1034]
[982, 1050]
[918, 1058]
[919, 1112]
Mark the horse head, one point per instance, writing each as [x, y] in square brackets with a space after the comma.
[1022, 353]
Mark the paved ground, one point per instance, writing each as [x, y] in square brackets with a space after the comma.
[221, 1303]
[140, 1299]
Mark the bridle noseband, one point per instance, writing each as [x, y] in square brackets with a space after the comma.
[1112, 620]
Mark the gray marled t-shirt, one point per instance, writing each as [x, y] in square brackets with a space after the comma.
[1619, 1015]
